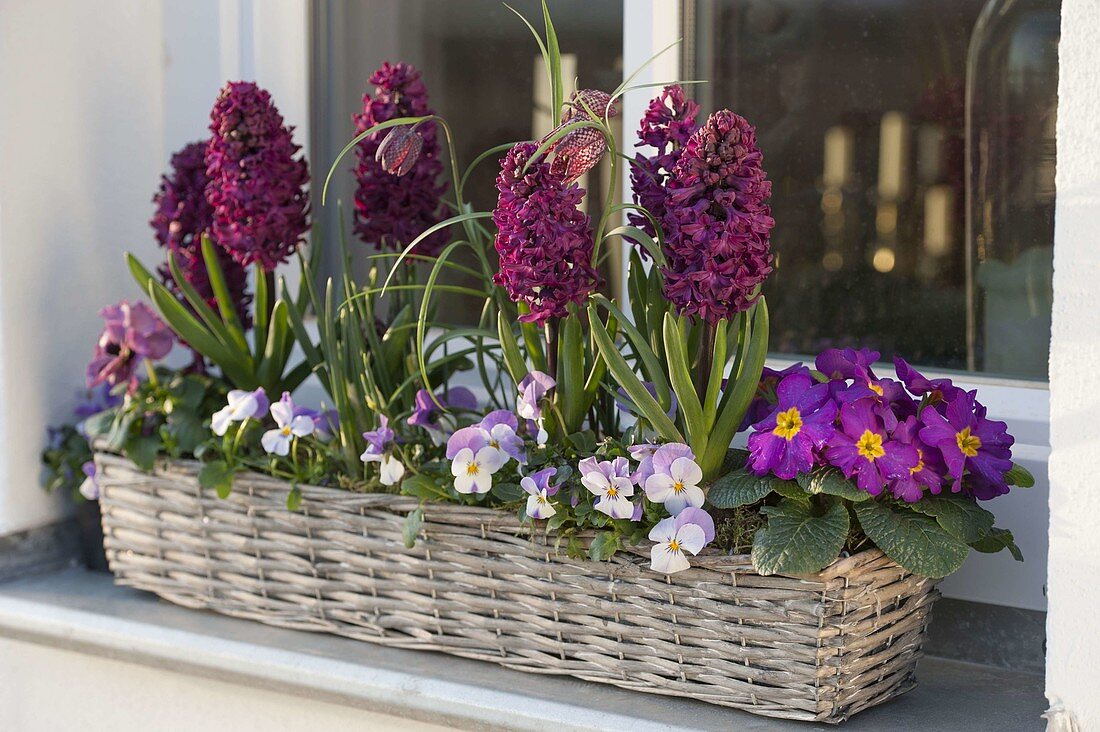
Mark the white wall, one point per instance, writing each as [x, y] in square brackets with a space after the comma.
[1073, 640]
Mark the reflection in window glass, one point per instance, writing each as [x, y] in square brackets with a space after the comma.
[860, 108]
[483, 72]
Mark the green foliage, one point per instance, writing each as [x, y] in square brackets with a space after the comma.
[1018, 475]
[832, 482]
[603, 546]
[995, 541]
[411, 527]
[958, 515]
[63, 460]
[217, 475]
[915, 541]
[799, 538]
[740, 487]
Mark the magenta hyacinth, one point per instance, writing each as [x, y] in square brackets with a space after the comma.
[393, 208]
[668, 123]
[717, 221]
[543, 239]
[131, 333]
[182, 216]
[257, 186]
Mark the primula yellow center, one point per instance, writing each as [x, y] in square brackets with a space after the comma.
[612, 492]
[874, 387]
[674, 546]
[473, 469]
[870, 445]
[286, 431]
[919, 466]
[788, 424]
[968, 443]
[678, 487]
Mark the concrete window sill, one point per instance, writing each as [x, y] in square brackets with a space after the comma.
[83, 612]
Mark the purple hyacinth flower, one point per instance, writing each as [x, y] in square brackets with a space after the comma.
[764, 400]
[257, 186]
[378, 439]
[863, 448]
[131, 334]
[928, 474]
[532, 389]
[971, 445]
[784, 443]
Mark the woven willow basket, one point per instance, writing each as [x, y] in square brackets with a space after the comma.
[479, 585]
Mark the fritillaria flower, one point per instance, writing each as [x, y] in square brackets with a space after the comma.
[689, 531]
[287, 427]
[131, 334]
[679, 488]
[539, 491]
[862, 448]
[970, 444]
[379, 442]
[609, 481]
[785, 441]
[580, 150]
[400, 150]
[240, 406]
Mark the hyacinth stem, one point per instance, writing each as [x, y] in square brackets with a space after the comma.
[705, 359]
[552, 348]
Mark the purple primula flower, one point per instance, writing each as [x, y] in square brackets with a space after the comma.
[847, 364]
[532, 388]
[240, 405]
[537, 486]
[935, 392]
[257, 186]
[785, 442]
[393, 208]
[667, 125]
[764, 401]
[717, 221]
[609, 481]
[690, 531]
[927, 474]
[862, 448]
[131, 334]
[543, 239]
[90, 487]
[971, 445]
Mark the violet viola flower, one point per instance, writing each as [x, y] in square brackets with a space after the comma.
[379, 442]
[240, 405]
[862, 448]
[398, 194]
[784, 443]
[609, 481]
[643, 455]
[543, 239]
[90, 487]
[677, 489]
[257, 185]
[668, 123]
[501, 426]
[971, 445]
[537, 485]
[288, 426]
[717, 221]
[131, 334]
[427, 414]
[532, 389]
[927, 474]
[473, 460]
[689, 531]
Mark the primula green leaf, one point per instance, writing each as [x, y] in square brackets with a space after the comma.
[424, 488]
[739, 488]
[911, 539]
[831, 481]
[997, 540]
[959, 516]
[603, 546]
[508, 492]
[735, 458]
[294, 499]
[186, 429]
[98, 425]
[585, 442]
[217, 475]
[796, 541]
[143, 450]
[1019, 476]
[411, 527]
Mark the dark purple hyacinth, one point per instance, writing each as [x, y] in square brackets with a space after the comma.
[257, 186]
[717, 221]
[393, 208]
[668, 123]
[182, 216]
[131, 334]
[543, 239]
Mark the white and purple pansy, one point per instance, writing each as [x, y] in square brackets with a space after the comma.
[675, 479]
[379, 441]
[689, 531]
[539, 491]
[609, 481]
[473, 460]
[532, 389]
[500, 427]
[240, 406]
[287, 427]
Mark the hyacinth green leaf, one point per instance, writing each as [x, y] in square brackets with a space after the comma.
[198, 305]
[410, 529]
[832, 482]
[915, 541]
[461, 218]
[717, 371]
[679, 371]
[636, 234]
[296, 318]
[1019, 476]
[513, 359]
[221, 293]
[651, 365]
[959, 516]
[218, 476]
[532, 339]
[739, 487]
[272, 363]
[628, 380]
[397, 121]
[262, 308]
[797, 541]
[571, 377]
[997, 540]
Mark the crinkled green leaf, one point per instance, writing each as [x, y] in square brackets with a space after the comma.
[959, 516]
[217, 475]
[1020, 476]
[740, 487]
[997, 540]
[604, 546]
[832, 482]
[411, 527]
[911, 539]
[796, 541]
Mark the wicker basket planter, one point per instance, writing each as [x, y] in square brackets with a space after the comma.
[479, 585]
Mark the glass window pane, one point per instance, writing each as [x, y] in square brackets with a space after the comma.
[860, 108]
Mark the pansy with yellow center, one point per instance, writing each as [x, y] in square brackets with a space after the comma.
[609, 481]
[287, 427]
[863, 449]
[783, 443]
[678, 488]
[689, 531]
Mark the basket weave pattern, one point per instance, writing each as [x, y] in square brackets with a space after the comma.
[479, 585]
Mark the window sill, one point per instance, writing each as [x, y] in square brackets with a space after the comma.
[84, 612]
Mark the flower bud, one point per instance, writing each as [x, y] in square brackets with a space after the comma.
[399, 151]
